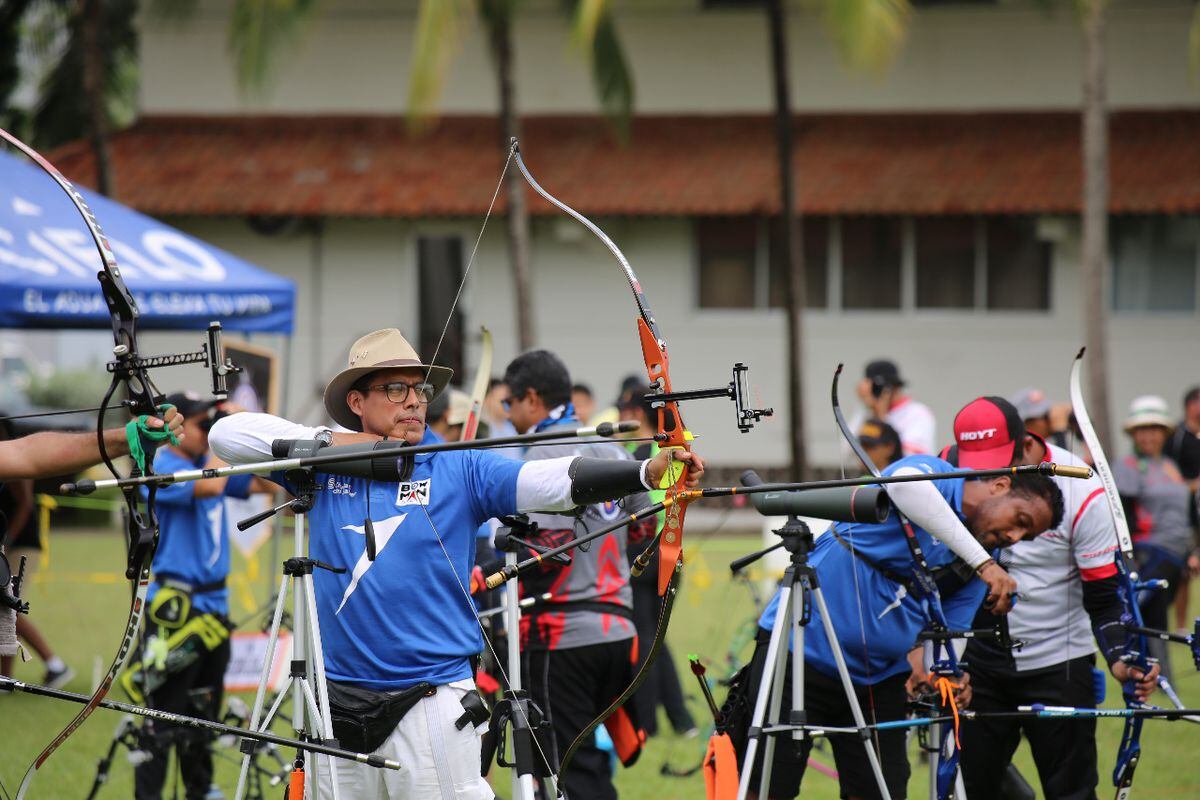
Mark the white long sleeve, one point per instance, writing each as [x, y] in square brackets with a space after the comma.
[922, 503]
[545, 485]
[542, 485]
[246, 437]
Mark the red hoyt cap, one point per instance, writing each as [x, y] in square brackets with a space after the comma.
[988, 432]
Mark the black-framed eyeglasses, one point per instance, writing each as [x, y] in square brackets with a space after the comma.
[397, 391]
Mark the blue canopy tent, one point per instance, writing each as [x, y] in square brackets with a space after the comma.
[48, 266]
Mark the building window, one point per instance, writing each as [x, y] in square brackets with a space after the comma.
[953, 262]
[945, 250]
[439, 273]
[740, 262]
[1154, 262]
[815, 244]
[728, 253]
[871, 260]
[1018, 265]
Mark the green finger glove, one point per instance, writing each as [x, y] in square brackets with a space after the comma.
[139, 434]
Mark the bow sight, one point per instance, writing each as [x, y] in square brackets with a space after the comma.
[735, 390]
[211, 354]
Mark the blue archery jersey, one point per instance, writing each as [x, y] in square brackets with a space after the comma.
[193, 544]
[876, 619]
[404, 617]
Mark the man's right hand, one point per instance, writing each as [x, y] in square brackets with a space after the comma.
[172, 419]
[1002, 587]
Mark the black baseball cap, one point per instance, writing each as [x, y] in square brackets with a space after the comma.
[883, 372]
[190, 404]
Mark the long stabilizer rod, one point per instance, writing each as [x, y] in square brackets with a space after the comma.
[10, 685]
[687, 496]
[382, 450]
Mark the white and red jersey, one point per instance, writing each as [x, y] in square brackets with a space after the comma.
[1049, 614]
[913, 421]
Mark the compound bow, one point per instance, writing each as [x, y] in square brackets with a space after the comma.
[132, 371]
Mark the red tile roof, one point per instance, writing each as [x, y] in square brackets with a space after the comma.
[673, 165]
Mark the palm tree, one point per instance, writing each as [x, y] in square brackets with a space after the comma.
[90, 49]
[437, 35]
[869, 32]
[1096, 266]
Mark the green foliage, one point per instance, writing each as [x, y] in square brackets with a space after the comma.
[61, 112]
[437, 39]
[12, 15]
[70, 388]
[869, 33]
[594, 29]
[258, 29]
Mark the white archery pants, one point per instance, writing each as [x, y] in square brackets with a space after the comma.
[437, 760]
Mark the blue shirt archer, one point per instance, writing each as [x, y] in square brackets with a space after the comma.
[876, 619]
[193, 545]
[403, 618]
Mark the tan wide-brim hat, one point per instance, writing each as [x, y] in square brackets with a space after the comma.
[1146, 411]
[385, 349]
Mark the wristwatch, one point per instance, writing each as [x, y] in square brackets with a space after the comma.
[325, 437]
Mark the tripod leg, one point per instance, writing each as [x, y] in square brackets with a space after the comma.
[848, 686]
[324, 724]
[765, 689]
[256, 716]
[799, 598]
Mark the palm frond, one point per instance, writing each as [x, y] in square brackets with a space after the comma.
[868, 32]
[435, 41]
[586, 16]
[61, 113]
[611, 75]
[257, 31]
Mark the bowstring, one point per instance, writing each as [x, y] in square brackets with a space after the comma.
[437, 534]
[486, 640]
[471, 259]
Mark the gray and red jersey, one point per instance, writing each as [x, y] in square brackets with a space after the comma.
[591, 601]
[1050, 570]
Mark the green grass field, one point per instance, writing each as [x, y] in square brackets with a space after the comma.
[81, 600]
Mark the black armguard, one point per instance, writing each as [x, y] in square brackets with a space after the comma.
[1102, 601]
[595, 480]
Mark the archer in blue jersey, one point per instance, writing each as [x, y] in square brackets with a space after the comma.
[870, 596]
[405, 621]
[187, 607]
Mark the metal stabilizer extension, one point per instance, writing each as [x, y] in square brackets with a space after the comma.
[8, 684]
[687, 496]
[339, 455]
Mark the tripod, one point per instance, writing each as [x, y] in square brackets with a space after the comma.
[799, 585]
[517, 709]
[310, 707]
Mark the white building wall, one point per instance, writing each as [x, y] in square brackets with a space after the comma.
[354, 59]
[585, 313]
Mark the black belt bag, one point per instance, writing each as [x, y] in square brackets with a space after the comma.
[363, 718]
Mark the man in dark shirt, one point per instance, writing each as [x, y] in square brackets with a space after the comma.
[1183, 447]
